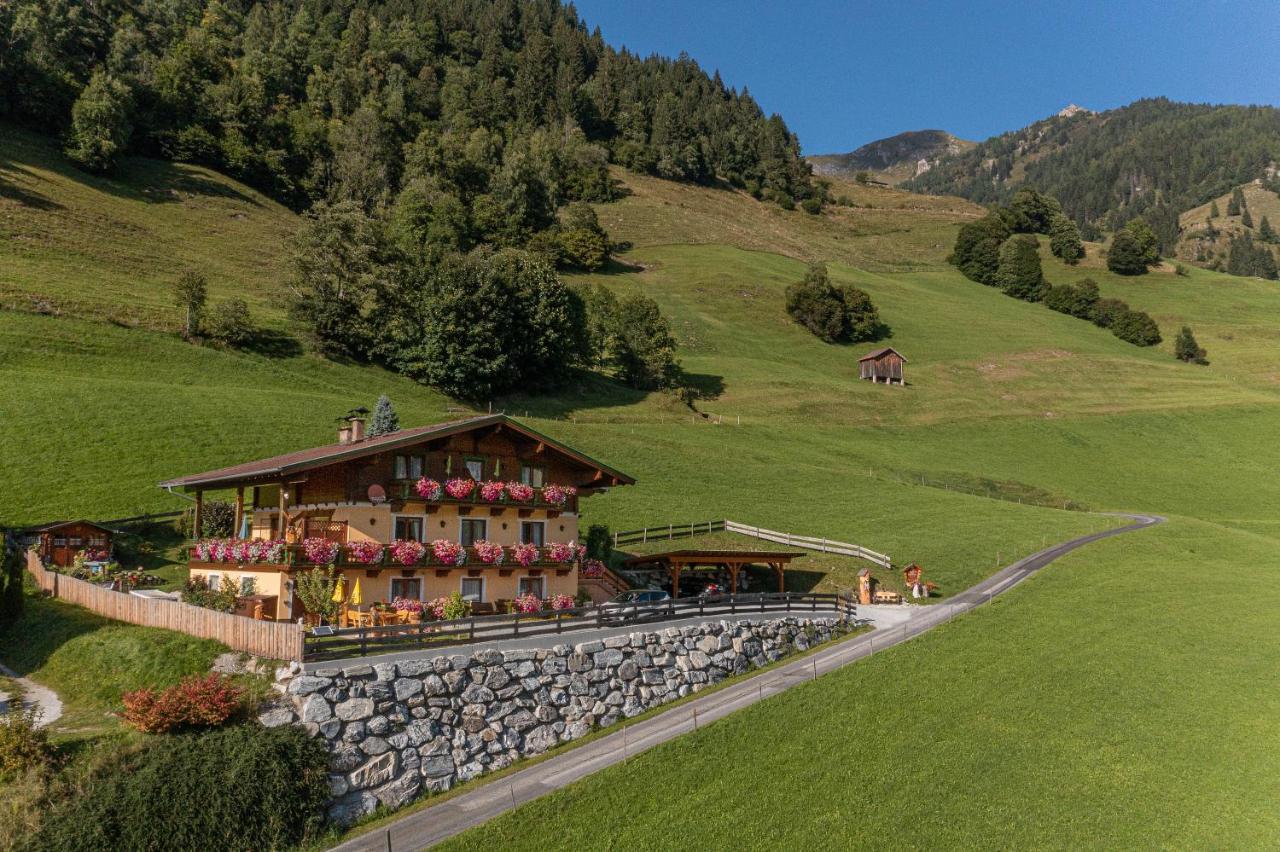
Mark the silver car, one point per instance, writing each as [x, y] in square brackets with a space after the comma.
[634, 605]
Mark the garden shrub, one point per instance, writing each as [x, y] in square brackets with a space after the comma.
[230, 323]
[217, 519]
[23, 745]
[239, 788]
[195, 702]
[599, 542]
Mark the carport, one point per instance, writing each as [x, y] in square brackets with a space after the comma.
[677, 562]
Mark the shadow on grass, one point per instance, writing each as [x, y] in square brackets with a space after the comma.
[13, 192]
[44, 626]
[270, 343]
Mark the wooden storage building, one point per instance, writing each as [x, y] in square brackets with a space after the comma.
[59, 542]
[883, 365]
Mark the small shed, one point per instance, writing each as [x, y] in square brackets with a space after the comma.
[60, 541]
[883, 365]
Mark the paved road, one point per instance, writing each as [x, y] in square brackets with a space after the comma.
[33, 693]
[431, 825]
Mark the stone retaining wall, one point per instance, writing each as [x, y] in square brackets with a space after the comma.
[395, 729]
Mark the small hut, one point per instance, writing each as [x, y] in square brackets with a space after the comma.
[60, 542]
[883, 365]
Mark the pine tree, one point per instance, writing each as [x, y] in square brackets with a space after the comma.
[1213, 210]
[1265, 234]
[1125, 255]
[385, 420]
[1185, 348]
[1019, 273]
[1245, 218]
[1146, 239]
[1237, 202]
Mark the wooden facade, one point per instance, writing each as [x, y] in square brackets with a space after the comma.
[883, 365]
[364, 489]
[58, 543]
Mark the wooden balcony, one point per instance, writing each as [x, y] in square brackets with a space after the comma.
[296, 559]
[405, 491]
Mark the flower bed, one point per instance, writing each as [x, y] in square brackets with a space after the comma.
[558, 495]
[593, 568]
[408, 552]
[429, 489]
[459, 488]
[320, 551]
[448, 552]
[558, 602]
[518, 492]
[525, 554]
[492, 491]
[242, 551]
[488, 552]
[406, 605]
[527, 604]
[564, 553]
[365, 552]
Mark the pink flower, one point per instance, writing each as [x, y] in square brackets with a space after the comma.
[593, 568]
[320, 551]
[557, 495]
[525, 554]
[528, 603]
[561, 602]
[448, 552]
[488, 552]
[459, 488]
[364, 552]
[519, 492]
[564, 553]
[406, 605]
[408, 552]
[428, 489]
[491, 491]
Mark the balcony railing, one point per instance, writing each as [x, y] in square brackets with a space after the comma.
[295, 556]
[407, 490]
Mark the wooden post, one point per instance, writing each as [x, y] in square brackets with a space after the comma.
[733, 578]
[239, 521]
[197, 528]
[675, 581]
[782, 583]
[282, 520]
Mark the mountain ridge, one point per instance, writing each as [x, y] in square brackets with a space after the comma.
[893, 159]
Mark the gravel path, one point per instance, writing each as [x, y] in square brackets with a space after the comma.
[431, 825]
[33, 693]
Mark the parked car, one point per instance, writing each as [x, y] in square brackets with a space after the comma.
[634, 605]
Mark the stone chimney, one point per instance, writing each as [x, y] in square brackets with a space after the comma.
[344, 433]
[355, 427]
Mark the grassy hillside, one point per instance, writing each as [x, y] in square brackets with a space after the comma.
[1091, 704]
[1204, 241]
[110, 248]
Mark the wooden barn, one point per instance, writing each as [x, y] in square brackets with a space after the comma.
[60, 542]
[883, 365]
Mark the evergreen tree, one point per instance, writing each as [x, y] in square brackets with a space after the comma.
[1265, 233]
[1213, 210]
[1245, 218]
[1030, 212]
[1185, 348]
[646, 351]
[1237, 203]
[977, 249]
[385, 420]
[835, 314]
[190, 292]
[1064, 240]
[1136, 327]
[100, 123]
[1125, 257]
[1019, 273]
[12, 569]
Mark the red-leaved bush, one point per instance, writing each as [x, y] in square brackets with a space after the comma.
[196, 702]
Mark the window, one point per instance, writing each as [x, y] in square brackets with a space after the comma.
[214, 581]
[473, 589]
[406, 587]
[475, 467]
[533, 586]
[247, 585]
[532, 475]
[533, 532]
[410, 528]
[408, 467]
[473, 529]
[74, 541]
[98, 541]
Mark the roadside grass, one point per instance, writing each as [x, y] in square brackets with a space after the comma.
[381, 819]
[1093, 706]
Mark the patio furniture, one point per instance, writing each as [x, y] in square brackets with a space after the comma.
[886, 596]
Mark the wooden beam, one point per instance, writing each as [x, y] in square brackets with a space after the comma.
[282, 520]
[540, 449]
[197, 528]
[239, 516]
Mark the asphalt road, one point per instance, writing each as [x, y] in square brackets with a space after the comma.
[431, 825]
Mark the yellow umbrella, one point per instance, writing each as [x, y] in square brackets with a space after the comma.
[337, 590]
[356, 598]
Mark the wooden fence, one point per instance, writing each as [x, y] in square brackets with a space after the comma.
[345, 642]
[278, 640]
[823, 545]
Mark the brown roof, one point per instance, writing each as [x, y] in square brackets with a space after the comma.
[881, 352]
[713, 556]
[320, 456]
[55, 525]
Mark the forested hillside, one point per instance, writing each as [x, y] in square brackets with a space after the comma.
[1153, 158]
[485, 115]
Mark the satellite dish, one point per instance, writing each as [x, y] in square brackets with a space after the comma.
[377, 494]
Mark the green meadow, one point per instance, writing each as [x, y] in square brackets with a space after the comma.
[1120, 698]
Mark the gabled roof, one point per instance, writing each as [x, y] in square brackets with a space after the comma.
[302, 460]
[57, 525]
[882, 352]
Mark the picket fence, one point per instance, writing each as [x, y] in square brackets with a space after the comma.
[277, 640]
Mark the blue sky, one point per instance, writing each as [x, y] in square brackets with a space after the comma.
[843, 74]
